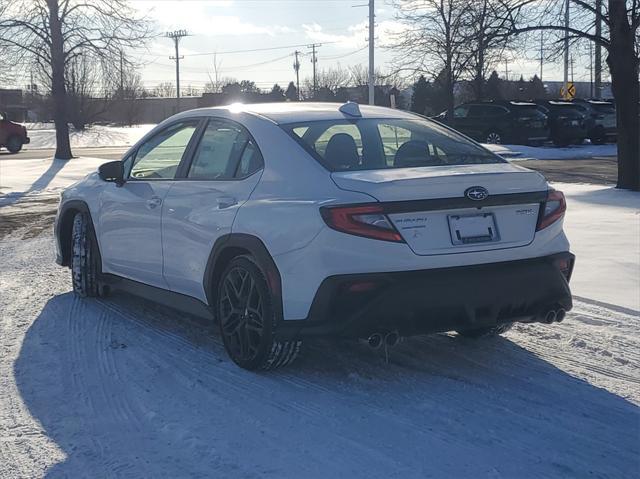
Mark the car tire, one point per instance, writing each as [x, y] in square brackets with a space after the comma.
[485, 332]
[85, 257]
[561, 142]
[598, 137]
[247, 318]
[493, 137]
[14, 144]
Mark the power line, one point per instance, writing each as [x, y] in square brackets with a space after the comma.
[255, 49]
[314, 61]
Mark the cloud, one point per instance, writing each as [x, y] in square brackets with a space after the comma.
[357, 34]
[204, 18]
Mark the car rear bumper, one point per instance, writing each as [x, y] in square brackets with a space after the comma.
[436, 300]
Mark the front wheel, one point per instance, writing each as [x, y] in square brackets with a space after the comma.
[14, 144]
[85, 258]
[247, 318]
[486, 332]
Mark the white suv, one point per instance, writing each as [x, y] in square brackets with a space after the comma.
[290, 220]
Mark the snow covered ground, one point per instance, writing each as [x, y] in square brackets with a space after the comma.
[118, 387]
[43, 135]
[573, 152]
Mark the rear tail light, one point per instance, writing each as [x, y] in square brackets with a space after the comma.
[552, 209]
[369, 221]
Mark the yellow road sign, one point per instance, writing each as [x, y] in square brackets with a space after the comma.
[570, 93]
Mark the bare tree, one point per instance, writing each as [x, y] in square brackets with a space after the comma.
[433, 40]
[165, 90]
[619, 37]
[52, 33]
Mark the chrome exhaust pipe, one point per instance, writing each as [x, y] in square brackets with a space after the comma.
[560, 314]
[550, 317]
[375, 341]
[391, 339]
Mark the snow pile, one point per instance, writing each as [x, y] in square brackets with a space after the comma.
[603, 226]
[574, 152]
[43, 135]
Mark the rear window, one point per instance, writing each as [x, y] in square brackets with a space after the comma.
[370, 144]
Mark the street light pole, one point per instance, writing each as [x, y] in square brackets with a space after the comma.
[372, 99]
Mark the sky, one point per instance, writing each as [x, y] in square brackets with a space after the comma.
[264, 26]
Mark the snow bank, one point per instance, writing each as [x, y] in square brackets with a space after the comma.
[574, 152]
[43, 135]
[603, 226]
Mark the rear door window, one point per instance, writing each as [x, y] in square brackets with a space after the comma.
[220, 147]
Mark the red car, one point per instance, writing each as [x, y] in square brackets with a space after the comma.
[12, 135]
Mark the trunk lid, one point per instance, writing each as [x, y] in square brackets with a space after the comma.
[430, 209]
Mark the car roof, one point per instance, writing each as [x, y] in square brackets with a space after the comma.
[296, 112]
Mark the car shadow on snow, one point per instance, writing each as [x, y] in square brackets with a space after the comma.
[127, 389]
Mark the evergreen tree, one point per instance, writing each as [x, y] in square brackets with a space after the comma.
[536, 89]
[420, 95]
[494, 87]
[292, 92]
[276, 93]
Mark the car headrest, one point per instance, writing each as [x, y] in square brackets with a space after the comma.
[414, 153]
[342, 152]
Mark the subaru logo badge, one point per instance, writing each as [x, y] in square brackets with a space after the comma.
[476, 193]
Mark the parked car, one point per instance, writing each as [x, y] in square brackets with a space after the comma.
[12, 135]
[601, 119]
[567, 123]
[291, 220]
[500, 122]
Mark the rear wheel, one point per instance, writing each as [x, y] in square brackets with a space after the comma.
[14, 144]
[493, 138]
[85, 258]
[247, 318]
[486, 332]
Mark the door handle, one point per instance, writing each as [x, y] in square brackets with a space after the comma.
[154, 202]
[226, 202]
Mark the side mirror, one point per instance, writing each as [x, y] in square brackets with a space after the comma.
[112, 172]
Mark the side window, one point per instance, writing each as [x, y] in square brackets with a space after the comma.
[220, 147]
[461, 112]
[250, 161]
[476, 111]
[159, 157]
[494, 111]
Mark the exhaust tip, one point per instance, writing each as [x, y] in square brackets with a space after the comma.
[550, 317]
[560, 314]
[392, 338]
[375, 341]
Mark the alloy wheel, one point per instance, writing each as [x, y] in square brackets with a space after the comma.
[494, 138]
[241, 314]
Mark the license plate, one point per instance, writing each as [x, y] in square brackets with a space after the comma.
[471, 229]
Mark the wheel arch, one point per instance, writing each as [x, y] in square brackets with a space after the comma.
[232, 245]
[64, 227]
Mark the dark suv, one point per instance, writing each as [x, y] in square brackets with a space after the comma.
[567, 123]
[12, 135]
[500, 122]
[601, 119]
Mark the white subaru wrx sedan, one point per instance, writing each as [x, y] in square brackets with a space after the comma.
[291, 220]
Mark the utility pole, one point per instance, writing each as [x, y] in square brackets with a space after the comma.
[598, 59]
[372, 94]
[314, 61]
[566, 48]
[176, 36]
[506, 69]
[541, 52]
[121, 72]
[590, 70]
[296, 67]
[571, 62]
